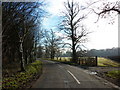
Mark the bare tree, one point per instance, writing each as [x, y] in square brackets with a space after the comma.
[72, 27]
[52, 43]
[107, 9]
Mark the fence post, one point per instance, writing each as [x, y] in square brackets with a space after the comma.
[78, 61]
[96, 60]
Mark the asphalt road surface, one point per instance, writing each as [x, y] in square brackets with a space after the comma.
[59, 75]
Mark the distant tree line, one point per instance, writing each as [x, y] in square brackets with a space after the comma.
[113, 53]
[103, 52]
[94, 52]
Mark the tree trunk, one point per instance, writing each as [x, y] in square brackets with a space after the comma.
[21, 62]
[74, 56]
[52, 54]
[30, 58]
[21, 56]
[26, 58]
[12, 56]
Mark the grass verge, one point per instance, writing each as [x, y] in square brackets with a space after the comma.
[22, 79]
[114, 74]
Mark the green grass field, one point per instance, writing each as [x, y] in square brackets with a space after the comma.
[107, 62]
[114, 74]
[101, 61]
[63, 58]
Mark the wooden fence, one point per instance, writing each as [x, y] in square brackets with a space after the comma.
[88, 61]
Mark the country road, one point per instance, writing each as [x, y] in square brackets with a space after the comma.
[59, 75]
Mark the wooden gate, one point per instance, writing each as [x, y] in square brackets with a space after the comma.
[87, 61]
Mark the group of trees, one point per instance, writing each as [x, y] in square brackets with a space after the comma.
[23, 39]
[51, 44]
[20, 28]
[73, 28]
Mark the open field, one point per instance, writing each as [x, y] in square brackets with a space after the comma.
[107, 62]
[63, 58]
[101, 61]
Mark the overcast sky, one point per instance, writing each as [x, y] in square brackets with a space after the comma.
[104, 35]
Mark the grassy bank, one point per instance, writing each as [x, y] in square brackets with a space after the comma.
[114, 74]
[22, 79]
[107, 62]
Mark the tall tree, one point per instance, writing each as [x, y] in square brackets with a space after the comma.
[71, 26]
